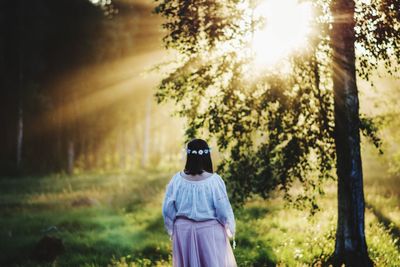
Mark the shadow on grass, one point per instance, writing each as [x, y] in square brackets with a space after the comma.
[387, 223]
[253, 212]
[156, 225]
[252, 249]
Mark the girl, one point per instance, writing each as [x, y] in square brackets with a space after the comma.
[197, 213]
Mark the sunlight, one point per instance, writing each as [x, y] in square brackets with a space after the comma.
[287, 26]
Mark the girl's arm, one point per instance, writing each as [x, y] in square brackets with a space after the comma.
[224, 209]
[168, 209]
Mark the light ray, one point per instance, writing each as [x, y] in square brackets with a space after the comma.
[125, 79]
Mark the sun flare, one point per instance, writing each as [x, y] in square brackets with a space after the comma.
[286, 28]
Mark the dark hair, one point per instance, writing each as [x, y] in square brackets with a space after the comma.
[195, 163]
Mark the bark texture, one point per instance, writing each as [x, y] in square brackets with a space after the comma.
[350, 247]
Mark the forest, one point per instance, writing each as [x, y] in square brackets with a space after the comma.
[299, 101]
[75, 82]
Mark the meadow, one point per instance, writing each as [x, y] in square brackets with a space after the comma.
[114, 219]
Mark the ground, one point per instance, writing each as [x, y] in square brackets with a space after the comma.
[114, 219]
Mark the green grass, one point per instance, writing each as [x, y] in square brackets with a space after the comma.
[125, 218]
[124, 226]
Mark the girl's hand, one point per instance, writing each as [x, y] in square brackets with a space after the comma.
[228, 232]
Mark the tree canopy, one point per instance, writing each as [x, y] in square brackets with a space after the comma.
[274, 126]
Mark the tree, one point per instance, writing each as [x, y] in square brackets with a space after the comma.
[351, 246]
[277, 128]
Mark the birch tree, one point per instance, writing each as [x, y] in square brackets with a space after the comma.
[277, 128]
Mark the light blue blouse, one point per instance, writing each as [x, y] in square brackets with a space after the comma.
[198, 200]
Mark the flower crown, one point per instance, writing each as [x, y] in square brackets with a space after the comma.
[199, 151]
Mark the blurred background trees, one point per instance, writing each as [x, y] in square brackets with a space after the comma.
[74, 90]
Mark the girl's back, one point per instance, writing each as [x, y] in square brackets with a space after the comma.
[197, 213]
[199, 200]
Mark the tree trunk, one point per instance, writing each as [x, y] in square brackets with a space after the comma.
[9, 78]
[20, 117]
[20, 134]
[350, 247]
[146, 140]
[71, 157]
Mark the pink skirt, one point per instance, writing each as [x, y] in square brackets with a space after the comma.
[201, 244]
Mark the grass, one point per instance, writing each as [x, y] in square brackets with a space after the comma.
[125, 218]
[123, 226]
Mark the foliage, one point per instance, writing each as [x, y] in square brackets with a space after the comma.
[377, 36]
[274, 128]
[369, 127]
[390, 119]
